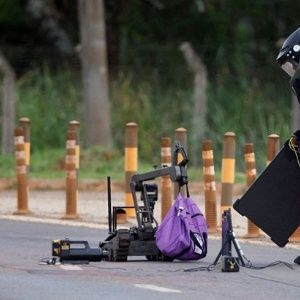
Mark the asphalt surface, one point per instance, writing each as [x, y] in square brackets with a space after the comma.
[49, 206]
[24, 244]
[25, 240]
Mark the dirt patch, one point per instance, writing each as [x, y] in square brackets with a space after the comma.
[100, 185]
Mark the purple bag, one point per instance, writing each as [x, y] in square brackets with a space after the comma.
[183, 232]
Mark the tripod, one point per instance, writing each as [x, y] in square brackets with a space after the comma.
[228, 238]
[229, 262]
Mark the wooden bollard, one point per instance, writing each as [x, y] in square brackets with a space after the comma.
[75, 125]
[209, 186]
[181, 137]
[71, 176]
[131, 164]
[166, 183]
[228, 171]
[272, 147]
[295, 237]
[24, 123]
[21, 172]
[249, 156]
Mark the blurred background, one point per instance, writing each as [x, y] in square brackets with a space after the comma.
[206, 65]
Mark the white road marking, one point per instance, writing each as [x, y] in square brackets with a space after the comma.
[157, 288]
[71, 267]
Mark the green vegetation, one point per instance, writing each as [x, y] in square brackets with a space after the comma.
[96, 163]
[252, 113]
[150, 83]
[51, 100]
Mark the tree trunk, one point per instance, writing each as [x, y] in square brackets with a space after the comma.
[94, 72]
[8, 105]
[199, 108]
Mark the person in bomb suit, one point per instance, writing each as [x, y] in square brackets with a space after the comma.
[288, 59]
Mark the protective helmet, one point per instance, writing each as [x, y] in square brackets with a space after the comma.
[289, 58]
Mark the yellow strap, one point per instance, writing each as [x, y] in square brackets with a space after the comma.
[293, 146]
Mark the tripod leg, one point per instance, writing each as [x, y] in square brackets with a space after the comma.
[238, 249]
[225, 244]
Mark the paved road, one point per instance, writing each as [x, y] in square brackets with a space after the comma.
[23, 244]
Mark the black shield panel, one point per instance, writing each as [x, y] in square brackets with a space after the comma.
[272, 202]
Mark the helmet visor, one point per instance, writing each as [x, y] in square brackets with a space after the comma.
[289, 67]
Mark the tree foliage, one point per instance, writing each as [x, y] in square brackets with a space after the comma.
[237, 40]
[234, 37]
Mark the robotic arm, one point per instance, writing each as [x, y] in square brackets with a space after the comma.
[177, 173]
